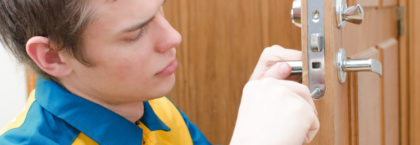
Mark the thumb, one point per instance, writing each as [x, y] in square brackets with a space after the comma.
[279, 71]
[313, 130]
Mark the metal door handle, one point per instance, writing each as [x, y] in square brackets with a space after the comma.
[296, 67]
[297, 70]
[296, 13]
[353, 14]
[344, 65]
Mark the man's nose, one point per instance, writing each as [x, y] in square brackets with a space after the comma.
[168, 37]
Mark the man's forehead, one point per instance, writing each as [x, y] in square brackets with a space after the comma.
[114, 16]
[127, 6]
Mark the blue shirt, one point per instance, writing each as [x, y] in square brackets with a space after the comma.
[56, 116]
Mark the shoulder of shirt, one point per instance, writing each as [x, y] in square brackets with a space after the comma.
[36, 125]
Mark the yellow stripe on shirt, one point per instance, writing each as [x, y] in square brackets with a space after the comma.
[22, 116]
[82, 139]
[169, 114]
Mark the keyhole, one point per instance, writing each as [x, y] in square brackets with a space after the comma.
[315, 16]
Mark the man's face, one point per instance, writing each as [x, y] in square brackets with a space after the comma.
[132, 48]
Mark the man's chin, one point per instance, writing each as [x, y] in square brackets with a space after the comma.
[164, 90]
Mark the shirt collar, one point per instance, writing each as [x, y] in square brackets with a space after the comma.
[97, 122]
[151, 121]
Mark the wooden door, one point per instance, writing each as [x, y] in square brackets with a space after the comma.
[365, 109]
[222, 41]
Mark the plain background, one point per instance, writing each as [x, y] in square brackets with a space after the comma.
[12, 87]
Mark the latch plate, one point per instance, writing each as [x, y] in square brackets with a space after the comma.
[315, 47]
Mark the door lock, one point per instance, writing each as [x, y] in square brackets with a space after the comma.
[344, 65]
[315, 47]
[297, 70]
[353, 14]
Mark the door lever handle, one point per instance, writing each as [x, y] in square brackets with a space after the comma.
[372, 65]
[297, 70]
[353, 14]
[296, 67]
[344, 65]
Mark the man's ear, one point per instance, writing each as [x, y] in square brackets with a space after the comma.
[46, 57]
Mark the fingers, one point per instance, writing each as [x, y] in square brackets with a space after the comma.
[300, 90]
[296, 78]
[279, 71]
[278, 53]
[270, 58]
[313, 130]
[303, 91]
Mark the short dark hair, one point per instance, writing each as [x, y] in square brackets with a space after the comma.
[61, 21]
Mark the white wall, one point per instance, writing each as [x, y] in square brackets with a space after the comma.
[12, 87]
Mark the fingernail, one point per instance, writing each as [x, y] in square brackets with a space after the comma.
[284, 69]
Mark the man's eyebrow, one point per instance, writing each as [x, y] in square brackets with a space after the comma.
[142, 24]
[138, 26]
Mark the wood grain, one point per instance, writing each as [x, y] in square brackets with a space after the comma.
[334, 107]
[370, 102]
[390, 90]
[222, 43]
[404, 75]
[414, 71]
[359, 41]
[354, 108]
[389, 3]
[377, 29]
[379, 25]
[365, 3]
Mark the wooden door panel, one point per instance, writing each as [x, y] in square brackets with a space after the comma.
[379, 25]
[365, 3]
[355, 112]
[369, 102]
[377, 110]
[278, 26]
[389, 60]
[414, 71]
[389, 3]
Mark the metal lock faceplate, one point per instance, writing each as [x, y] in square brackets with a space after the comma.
[315, 47]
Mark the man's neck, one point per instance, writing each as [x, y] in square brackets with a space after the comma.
[131, 111]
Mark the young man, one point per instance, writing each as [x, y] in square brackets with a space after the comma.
[104, 66]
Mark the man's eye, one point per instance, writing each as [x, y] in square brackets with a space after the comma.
[138, 35]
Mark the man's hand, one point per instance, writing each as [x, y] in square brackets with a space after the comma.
[272, 63]
[274, 110]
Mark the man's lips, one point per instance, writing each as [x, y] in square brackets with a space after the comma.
[169, 69]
